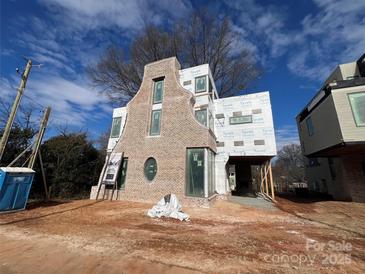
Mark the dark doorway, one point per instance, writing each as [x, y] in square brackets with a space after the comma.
[243, 178]
[246, 174]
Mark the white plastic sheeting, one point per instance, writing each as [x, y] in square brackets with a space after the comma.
[170, 207]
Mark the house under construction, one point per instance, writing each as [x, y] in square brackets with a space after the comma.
[177, 136]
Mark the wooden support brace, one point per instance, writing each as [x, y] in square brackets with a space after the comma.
[261, 182]
[266, 179]
[43, 176]
[271, 182]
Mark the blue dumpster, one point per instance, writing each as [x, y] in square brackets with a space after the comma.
[15, 184]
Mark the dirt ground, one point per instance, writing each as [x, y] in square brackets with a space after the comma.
[117, 237]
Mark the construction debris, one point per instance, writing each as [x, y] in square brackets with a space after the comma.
[170, 207]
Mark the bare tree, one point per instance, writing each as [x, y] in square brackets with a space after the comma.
[24, 118]
[196, 40]
[4, 113]
[22, 131]
[290, 163]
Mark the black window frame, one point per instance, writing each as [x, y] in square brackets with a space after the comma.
[113, 129]
[155, 81]
[205, 83]
[309, 125]
[151, 123]
[352, 108]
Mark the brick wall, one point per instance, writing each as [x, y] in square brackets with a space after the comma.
[354, 177]
[179, 130]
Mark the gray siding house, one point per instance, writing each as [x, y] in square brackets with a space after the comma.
[332, 134]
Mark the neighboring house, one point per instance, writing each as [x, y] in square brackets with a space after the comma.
[178, 137]
[332, 134]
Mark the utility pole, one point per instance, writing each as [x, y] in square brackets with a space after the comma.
[14, 109]
[39, 138]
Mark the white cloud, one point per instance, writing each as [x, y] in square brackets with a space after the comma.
[287, 134]
[84, 14]
[7, 90]
[299, 64]
[128, 15]
[333, 35]
[72, 35]
[262, 29]
[72, 102]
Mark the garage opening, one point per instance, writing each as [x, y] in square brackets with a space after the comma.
[250, 175]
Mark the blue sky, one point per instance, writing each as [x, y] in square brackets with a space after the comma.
[298, 43]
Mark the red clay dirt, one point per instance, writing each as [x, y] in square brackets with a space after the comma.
[117, 237]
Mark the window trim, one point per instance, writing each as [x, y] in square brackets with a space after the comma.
[150, 131]
[232, 123]
[205, 86]
[352, 109]
[310, 128]
[209, 160]
[187, 170]
[154, 90]
[112, 129]
[124, 162]
[206, 116]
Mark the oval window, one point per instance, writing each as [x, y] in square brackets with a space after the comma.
[150, 168]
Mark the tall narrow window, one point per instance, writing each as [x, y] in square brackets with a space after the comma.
[357, 102]
[201, 116]
[117, 121]
[200, 84]
[195, 172]
[155, 122]
[123, 173]
[310, 127]
[158, 91]
[211, 172]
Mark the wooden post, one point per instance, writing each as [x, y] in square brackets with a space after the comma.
[14, 108]
[266, 180]
[39, 138]
[43, 176]
[262, 180]
[271, 182]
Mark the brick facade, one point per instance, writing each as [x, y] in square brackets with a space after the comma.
[179, 131]
[352, 178]
[347, 181]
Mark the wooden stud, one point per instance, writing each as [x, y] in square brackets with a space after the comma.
[266, 179]
[262, 180]
[271, 182]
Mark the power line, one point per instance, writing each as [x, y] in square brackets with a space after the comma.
[33, 101]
